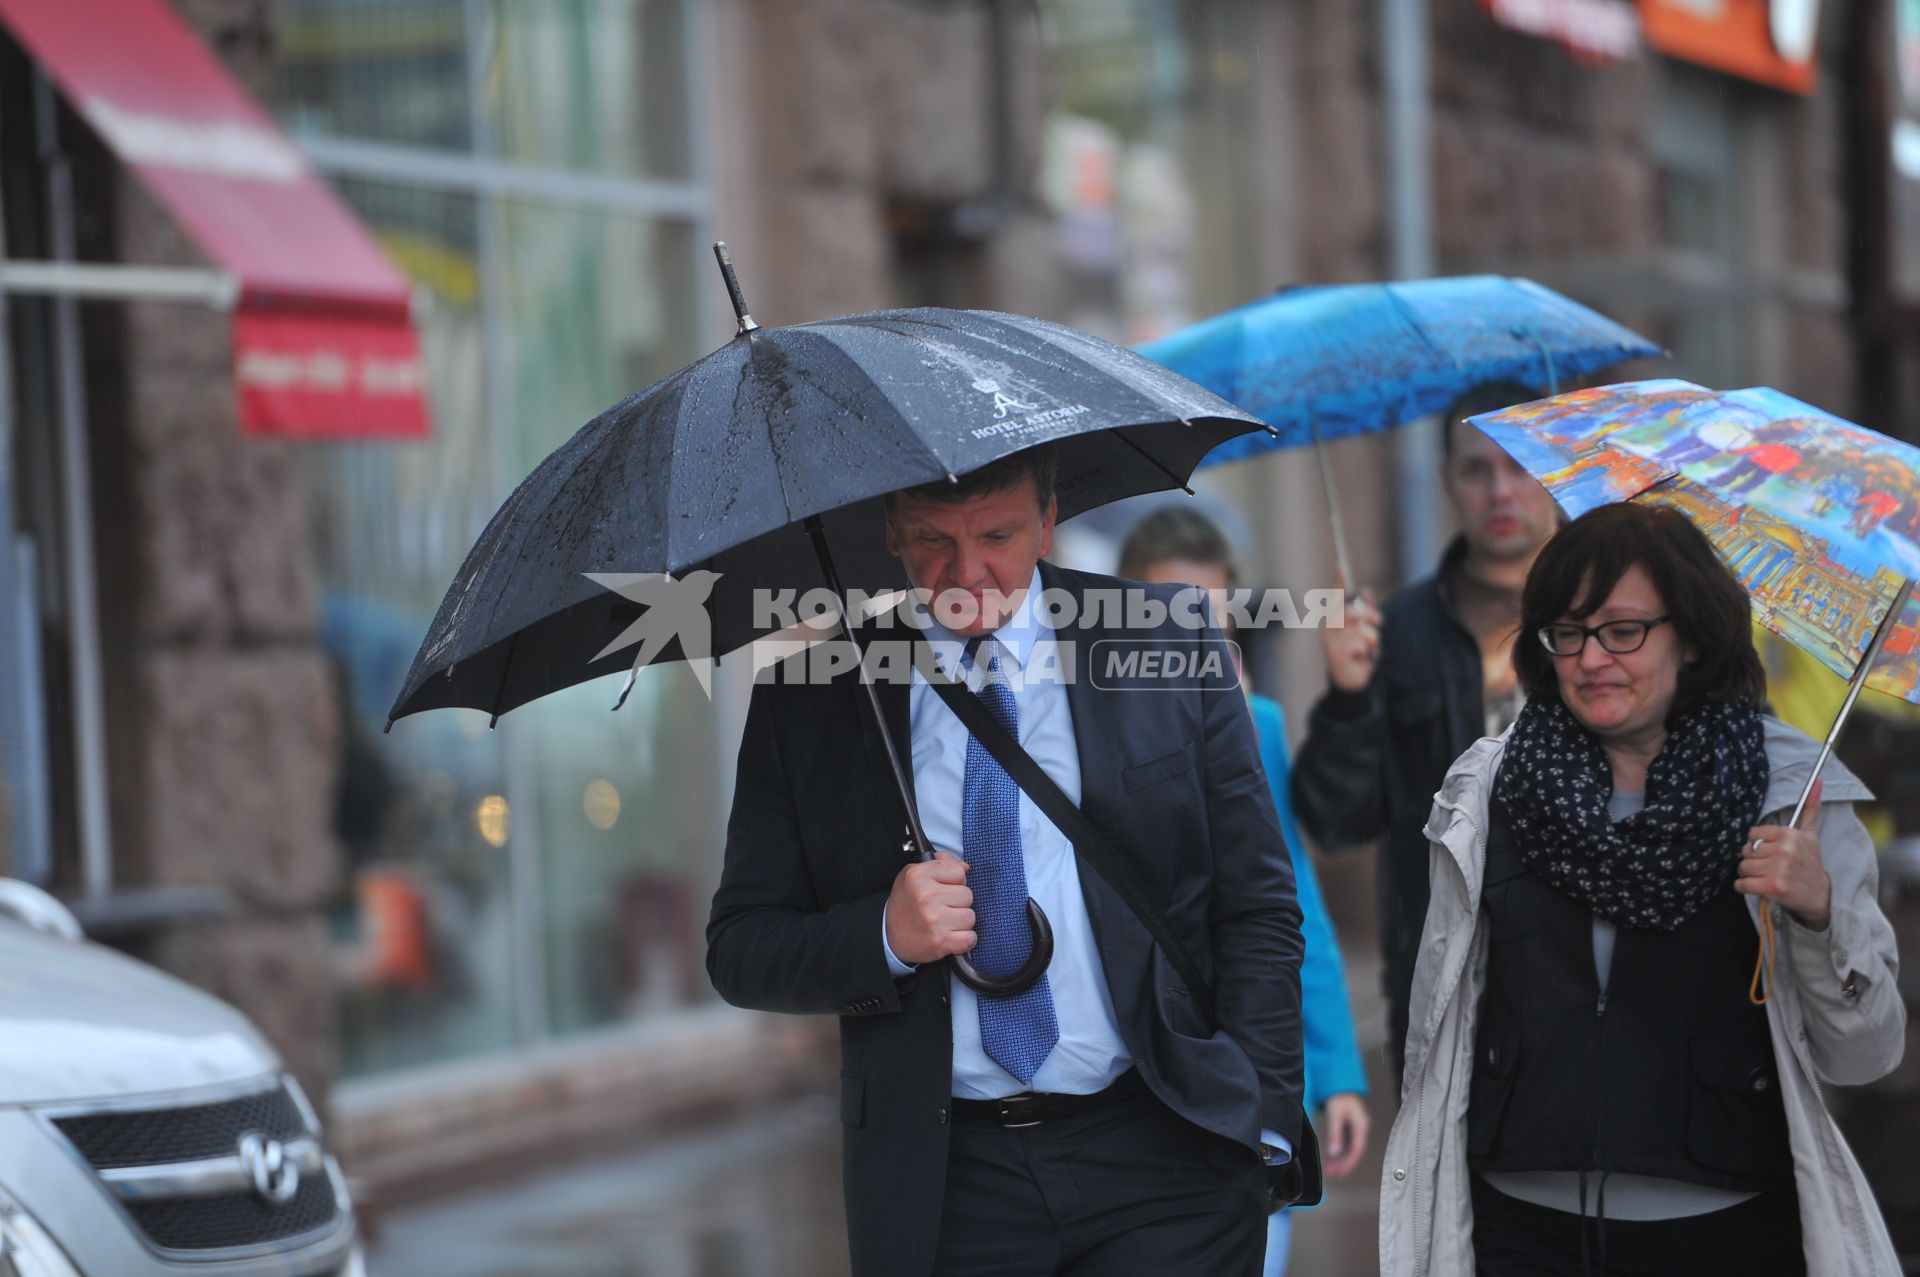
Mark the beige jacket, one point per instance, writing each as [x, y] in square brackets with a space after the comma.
[1835, 1013]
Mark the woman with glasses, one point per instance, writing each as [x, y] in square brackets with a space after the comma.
[1608, 1071]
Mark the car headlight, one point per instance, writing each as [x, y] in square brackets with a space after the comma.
[25, 1248]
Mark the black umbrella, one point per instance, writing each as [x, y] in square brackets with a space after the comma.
[765, 463]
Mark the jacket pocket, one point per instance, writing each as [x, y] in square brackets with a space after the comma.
[1166, 767]
[853, 1100]
[1496, 1058]
[1230, 1154]
[1735, 1120]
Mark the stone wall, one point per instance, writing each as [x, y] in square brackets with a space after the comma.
[1546, 166]
[222, 730]
[856, 119]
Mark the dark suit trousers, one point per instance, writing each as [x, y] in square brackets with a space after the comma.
[1129, 1187]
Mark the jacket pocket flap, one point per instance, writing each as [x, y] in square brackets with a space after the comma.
[1141, 775]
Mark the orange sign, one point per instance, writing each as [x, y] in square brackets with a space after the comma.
[1768, 41]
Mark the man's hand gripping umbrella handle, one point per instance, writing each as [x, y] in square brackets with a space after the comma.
[1039, 930]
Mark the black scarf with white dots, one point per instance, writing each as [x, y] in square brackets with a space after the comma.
[1655, 869]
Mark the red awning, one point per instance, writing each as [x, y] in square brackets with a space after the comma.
[323, 345]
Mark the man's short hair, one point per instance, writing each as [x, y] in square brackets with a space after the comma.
[1175, 532]
[1488, 396]
[1037, 463]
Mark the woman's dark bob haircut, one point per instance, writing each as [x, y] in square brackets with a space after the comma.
[1578, 568]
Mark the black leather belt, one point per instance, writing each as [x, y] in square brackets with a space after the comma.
[1030, 1108]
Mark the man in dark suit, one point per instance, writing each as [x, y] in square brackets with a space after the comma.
[1096, 1123]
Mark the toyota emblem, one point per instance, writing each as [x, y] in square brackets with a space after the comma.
[275, 1176]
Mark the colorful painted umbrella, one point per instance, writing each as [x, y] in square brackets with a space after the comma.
[1320, 364]
[1818, 517]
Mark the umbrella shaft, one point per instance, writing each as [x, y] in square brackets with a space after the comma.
[1859, 681]
[923, 849]
[1339, 526]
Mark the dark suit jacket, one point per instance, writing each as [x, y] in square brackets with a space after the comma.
[1172, 777]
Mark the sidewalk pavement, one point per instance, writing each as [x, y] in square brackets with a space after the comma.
[760, 1197]
[751, 1199]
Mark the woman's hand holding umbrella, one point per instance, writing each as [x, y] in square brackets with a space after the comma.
[1782, 864]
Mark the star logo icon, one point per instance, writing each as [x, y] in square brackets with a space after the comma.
[675, 608]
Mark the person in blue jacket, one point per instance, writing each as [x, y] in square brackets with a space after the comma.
[1179, 544]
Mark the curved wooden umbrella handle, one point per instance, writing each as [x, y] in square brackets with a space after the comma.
[1018, 982]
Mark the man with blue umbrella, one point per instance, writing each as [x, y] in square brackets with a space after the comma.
[1414, 684]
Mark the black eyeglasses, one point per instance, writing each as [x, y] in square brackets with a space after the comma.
[1618, 637]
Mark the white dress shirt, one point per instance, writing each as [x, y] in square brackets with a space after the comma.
[1090, 1054]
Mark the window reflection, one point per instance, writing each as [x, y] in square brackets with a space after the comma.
[595, 86]
[377, 70]
[564, 858]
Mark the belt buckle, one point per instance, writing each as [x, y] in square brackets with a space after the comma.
[1013, 1106]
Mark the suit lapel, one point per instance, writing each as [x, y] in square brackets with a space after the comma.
[1096, 727]
[1096, 718]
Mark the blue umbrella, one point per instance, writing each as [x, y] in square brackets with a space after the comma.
[1319, 364]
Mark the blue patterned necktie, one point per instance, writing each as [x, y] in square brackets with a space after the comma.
[1017, 1032]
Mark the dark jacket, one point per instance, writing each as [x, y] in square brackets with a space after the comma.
[1173, 777]
[1667, 1070]
[1372, 759]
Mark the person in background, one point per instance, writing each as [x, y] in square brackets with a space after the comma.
[1180, 545]
[1416, 683]
[1636, 974]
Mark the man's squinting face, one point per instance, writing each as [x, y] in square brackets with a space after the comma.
[975, 557]
[1504, 512]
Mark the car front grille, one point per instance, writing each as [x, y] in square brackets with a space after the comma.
[149, 1137]
[119, 1139]
[218, 1223]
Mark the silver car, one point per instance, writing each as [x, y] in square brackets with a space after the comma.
[145, 1127]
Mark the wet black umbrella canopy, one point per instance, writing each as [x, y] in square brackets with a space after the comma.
[763, 467]
[717, 466]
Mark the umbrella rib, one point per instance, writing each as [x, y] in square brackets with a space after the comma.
[1118, 432]
[696, 383]
[1406, 313]
[580, 464]
[926, 449]
[499, 692]
[803, 373]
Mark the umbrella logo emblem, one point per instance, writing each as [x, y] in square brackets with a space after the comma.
[1003, 403]
[676, 608]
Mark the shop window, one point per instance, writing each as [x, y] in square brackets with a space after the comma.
[548, 875]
